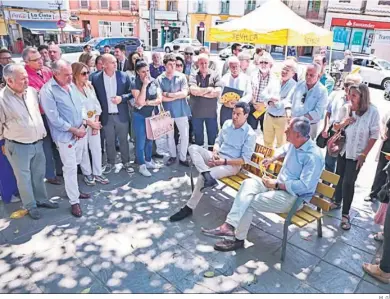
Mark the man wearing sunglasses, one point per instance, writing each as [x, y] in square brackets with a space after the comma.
[188, 59]
[336, 102]
[236, 49]
[310, 98]
[38, 75]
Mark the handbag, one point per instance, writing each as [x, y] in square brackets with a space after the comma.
[321, 141]
[159, 125]
[336, 143]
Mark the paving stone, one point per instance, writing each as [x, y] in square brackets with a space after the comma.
[366, 221]
[360, 238]
[337, 213]
[3, 240]
[304, 288]
[377, 283]
[330, 279]
[216, 284]
[273, 224]
[368, 288]
[347, 258]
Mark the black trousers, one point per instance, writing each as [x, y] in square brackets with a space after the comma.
[225, 114]
[345, 190]
[380, 176]
[385, 261]
[253, 121]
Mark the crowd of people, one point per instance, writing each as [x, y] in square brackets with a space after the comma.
[55, 116]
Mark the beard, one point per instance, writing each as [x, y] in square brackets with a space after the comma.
[264, 71]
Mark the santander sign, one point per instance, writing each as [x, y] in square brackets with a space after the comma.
[360, 24]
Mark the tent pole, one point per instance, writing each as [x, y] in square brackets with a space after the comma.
[285, 52]
[330, 59]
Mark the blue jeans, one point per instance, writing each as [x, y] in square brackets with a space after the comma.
[330, 163]
[143, 146]
[211, 128]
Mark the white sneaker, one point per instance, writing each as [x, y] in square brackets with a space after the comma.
[144, 171]
[151, 164]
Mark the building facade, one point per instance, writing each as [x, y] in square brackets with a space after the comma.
[105, 18]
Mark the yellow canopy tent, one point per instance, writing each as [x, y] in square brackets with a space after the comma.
[273, 23]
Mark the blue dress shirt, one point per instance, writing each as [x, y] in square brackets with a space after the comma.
[236, 143]
[63, 110]
[328, 82]
[302, 169]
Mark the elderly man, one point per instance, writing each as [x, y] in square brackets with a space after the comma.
[174, 89]
[237, 80]
[236, 49]
[234, 147]
[64, 114]
[245, 64]
[188, 60]
[260, 81]
[205, 88]
[337, 100]
[276, 96]
[140, 51]
[156, 68]
[44, 51]
[112, 89]
[54, 52]
[297, 180]
[310, 98]
[325, 78]
[22, 127]
[212, 64]
[38, 75]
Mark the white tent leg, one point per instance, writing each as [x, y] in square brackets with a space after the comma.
[285, 52]
[330, 59]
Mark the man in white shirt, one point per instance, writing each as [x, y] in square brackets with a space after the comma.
[237, 80]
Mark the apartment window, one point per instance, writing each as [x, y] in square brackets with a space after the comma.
[200, 6]
[84, 4]
[127, 29]
[172, 5]
[125, 4]
[384, 3]
[104, 4]
[250, 6]
[313, 9]
[225, 6]
[105, 29]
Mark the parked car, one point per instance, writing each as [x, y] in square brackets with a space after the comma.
[72, 52]
[131, 43]
[227, 52]
[183, 43]
[373, 70]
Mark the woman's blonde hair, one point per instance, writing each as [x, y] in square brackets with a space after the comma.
[365, 100]
[77, 67]
[85, 58]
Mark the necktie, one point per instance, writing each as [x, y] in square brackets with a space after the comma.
[120, 66]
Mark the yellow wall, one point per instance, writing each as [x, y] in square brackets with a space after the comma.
[207, 19]
[3, 27]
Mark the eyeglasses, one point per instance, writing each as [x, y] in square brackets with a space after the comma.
[8, 57]
[263, 62]
[179, 65]
[303, 99]
[84, 73]
[186, 53]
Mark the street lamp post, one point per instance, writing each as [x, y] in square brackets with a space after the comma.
[59, 4]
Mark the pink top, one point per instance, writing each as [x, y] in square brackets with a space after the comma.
[36, 80]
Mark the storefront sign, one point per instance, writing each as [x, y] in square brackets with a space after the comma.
[382, 37]
[360, 24]
[36, 16]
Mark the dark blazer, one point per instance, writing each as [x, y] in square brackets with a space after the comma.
[123, 90]
[126, 67]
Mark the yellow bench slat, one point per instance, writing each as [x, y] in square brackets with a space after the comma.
[242, 175]
[295, 220]
[229, 182]
[321, 203]
[305, 216]
[236, 178]
[325, 190]
[314, 213]
[330, 177]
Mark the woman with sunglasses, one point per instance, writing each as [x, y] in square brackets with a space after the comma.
[91, 113]
[147, 95]
[361, 127]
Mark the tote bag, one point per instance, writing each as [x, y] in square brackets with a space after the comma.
[159, 125]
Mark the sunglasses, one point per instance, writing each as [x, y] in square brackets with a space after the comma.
[84, 73]
[179, 65]
[263, 62]
[303, 99]
[189, 53]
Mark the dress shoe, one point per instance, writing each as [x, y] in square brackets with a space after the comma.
[183, 213]
[217, 232]
[209, 182]
[84, 196]
[170, 161]
[55, 181]
[76, 210]
[184, 163]
[47, 205]
[34, 213]
[229, 245]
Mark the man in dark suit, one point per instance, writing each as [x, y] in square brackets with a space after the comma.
[112, 88]
[120, 55]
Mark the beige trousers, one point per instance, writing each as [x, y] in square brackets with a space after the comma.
[274, 127]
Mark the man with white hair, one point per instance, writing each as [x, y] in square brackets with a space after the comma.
[297, 180]
[276, 96]
[54, 52]
[22, 128]
[310, 98]
[212, 64]
[205, 88]
[259, 81]
[68, 129]
[140, 51]
[237, 80]
[245, 64]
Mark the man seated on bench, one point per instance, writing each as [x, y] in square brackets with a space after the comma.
[233, 147]
[298, 178]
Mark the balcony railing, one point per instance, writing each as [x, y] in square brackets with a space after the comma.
[225, 6]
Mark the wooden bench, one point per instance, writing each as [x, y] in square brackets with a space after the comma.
[321, 201]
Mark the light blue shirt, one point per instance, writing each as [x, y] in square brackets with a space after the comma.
[236, 143]
[316, 101]
[179, 107]
[283, 92]
[336, 101]
[63, 110]
[302, 169]
[328, 82]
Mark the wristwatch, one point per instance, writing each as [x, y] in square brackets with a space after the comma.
[225, 162]
[277, 186]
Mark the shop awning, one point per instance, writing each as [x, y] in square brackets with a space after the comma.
[41, 27]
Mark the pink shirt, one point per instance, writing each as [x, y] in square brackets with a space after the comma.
[36, 81]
